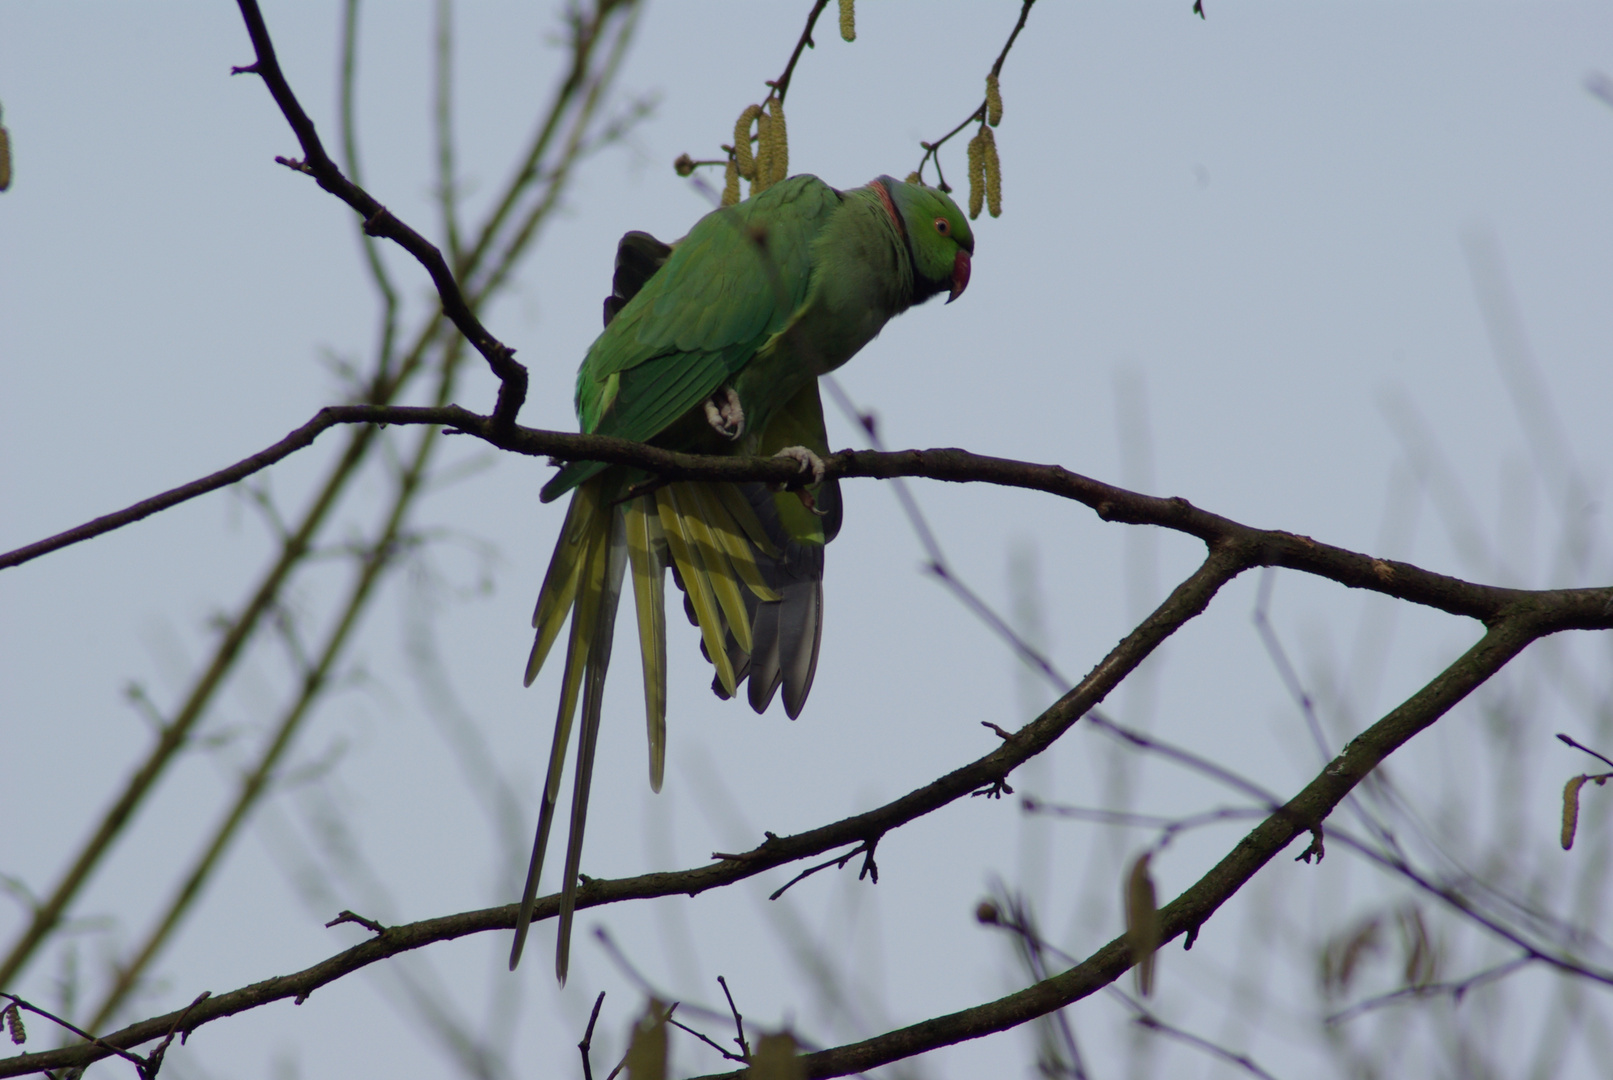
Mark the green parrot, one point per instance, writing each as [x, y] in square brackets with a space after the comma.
[714, 345]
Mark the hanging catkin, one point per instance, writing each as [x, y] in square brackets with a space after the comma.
[762, 175]
[779, 158]
[993, 170]
[742, 154]
[977, 173]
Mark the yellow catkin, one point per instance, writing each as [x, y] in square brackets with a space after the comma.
[848, 20]
[1142, 923]
[730, 187]
[994, 172]
[913, 178]
[994, 101]
[742, 154]
[1571, 810]
[777, 1058]
[780, 156]
[762, 176]
[646, 1051]
[5, 159]
[977, 176]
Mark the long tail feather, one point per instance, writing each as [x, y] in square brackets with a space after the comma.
[646, 551]
[611, 563]
[692, 577]
[582, 545]
[559, 590]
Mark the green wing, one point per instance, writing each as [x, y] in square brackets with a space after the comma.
[728, 286]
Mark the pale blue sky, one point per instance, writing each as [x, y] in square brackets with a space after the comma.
[1260, 217]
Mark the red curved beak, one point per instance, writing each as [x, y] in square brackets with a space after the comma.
[960, 275]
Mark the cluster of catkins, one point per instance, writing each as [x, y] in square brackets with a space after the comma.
[770, 163]
[985, 170]
[764, 125]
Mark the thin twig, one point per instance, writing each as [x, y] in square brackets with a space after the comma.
[739, 1021]
[296, 440]
[709, 1041]
[781, 85]
[839, 861]
[979, 114]
[1279, 660]
[349, 917]
[1456, 990]
[1581, 746]
[1147, 1019]
[349, 136]
[588, 1038]
[68, 1025]
[379, 221]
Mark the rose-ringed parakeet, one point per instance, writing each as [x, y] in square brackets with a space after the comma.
[714, 345]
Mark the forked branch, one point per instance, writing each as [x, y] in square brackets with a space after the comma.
[379, 221]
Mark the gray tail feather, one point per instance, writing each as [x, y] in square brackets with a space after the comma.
[593, 695]
[786, 633]
[593, 691]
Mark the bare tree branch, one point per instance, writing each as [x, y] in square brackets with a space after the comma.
[1189, 599]
[1199, 901]
[572, 106]
[1186, 914]
[1581, 609]
[379, 221]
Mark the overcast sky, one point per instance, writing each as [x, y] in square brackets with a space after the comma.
[1240, 261]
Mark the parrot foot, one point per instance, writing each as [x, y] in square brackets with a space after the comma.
[724, 413]
[809, 461]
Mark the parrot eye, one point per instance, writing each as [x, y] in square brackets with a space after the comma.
[943, 226]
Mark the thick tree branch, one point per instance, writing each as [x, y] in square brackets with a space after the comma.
[1569, 609]
[1186, 601]
[1189, 911]
[1186, 914]
[379, 221]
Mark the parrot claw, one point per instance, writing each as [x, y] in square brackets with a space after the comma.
[809, 461]
[724, 413]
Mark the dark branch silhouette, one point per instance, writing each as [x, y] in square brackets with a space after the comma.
[1184, 915]
[1564, 609]
[379, 221]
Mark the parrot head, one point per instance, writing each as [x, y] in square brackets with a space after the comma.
[938, 235]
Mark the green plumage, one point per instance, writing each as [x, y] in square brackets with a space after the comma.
[714, 345]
